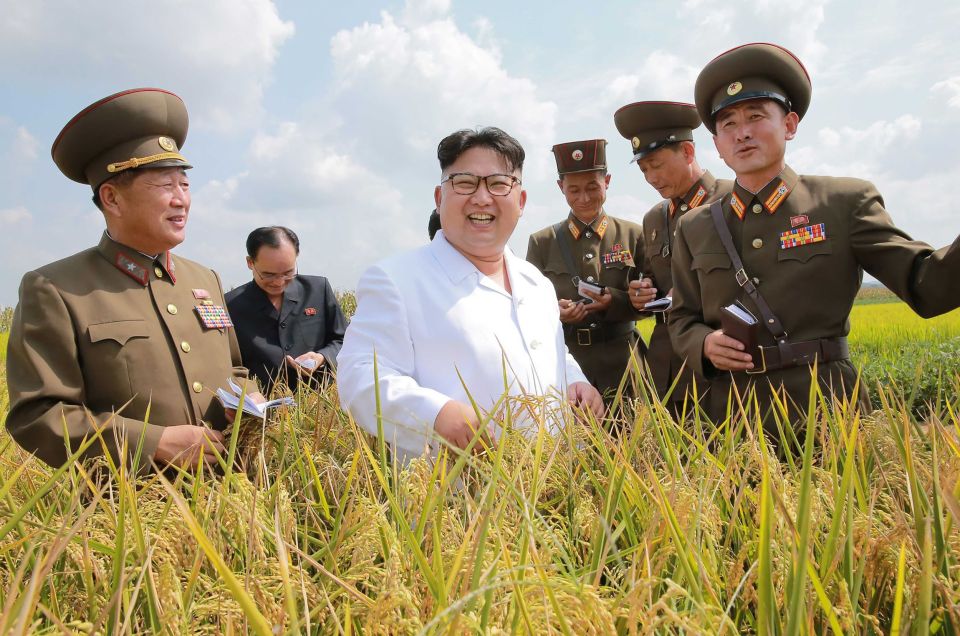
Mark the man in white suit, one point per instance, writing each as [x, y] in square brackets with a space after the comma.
[462, 319]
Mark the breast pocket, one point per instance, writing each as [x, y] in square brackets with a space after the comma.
[555, 267]
[705, 264]
[115, 348]
[118, 331]
[804, 253]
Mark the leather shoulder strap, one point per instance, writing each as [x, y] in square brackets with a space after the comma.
[566, 252]
[770, 321]
[665, 208]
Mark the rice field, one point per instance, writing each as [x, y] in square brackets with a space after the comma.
[692, 528]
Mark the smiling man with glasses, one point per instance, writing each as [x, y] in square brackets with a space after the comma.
[462, 319]
[289, 326]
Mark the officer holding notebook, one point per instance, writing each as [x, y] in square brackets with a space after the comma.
[783, 250]
[124, 338]
[589, 257]
[661, 137]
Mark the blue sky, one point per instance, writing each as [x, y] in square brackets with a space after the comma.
[325, 116]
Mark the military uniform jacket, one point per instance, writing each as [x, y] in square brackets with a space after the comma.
[309, 320]
[805, 241]
[656, 247]
[603, 253]
[104, 336]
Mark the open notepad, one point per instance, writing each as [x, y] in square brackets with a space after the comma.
[660, 304]
[232, 401]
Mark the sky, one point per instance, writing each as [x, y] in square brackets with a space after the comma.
[325, 116]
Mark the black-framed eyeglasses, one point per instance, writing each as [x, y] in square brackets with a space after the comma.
[499, 185]
[272, 277]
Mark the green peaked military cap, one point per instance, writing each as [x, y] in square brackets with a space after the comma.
[580, 156]
[138, 128]
[752, 71]
[652, 125]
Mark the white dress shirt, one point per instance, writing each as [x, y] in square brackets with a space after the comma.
[439, 329]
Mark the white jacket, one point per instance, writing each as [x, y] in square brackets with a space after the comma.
[432, 319]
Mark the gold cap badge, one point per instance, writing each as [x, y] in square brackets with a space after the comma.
[167, 144]
[577, 155]
[636, 142]
[734, 88]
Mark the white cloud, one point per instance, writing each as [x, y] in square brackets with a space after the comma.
[719, 25]
[861, 152]
[661, 76]
[218, 55]
[355, 176]
[407, 85]
[24, 145]
[18, 214]
[421, 11]
[949, 88]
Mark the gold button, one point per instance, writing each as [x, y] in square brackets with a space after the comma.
[589, 234]
[197, 387]
[683, 207]
[158, 272]
[757, 208]
[588, 255]
[171, 309]
[758, 243]
[185, 346]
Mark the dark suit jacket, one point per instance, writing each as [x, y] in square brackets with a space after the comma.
[309, 320]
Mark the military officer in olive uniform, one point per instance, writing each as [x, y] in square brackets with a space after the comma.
[591, 246]
[124, 337]
[804, 243]
[661, 135]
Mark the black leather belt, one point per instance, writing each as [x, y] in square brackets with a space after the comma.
[585, 335]
[805, 352]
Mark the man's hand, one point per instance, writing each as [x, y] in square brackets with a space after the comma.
[184, 445]
[457, 423]
[641, 292]
[571, 312]
[726, 353]
[601, 302]
[585, 396]
[317, 361]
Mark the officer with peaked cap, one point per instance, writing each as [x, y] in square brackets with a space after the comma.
[661, 136]
[124, 338]
[594, 247]
[802, 242]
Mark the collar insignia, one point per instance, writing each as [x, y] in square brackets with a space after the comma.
[698, 197]
[130, 267]
[737, 205]
[778, 196]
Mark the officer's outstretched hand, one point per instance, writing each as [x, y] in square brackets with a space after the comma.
[726, 353]
[186, 444]
[572, 312]
[584, 395]
[641, 292]
[457, 423]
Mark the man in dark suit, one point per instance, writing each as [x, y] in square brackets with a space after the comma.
[290, 326]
